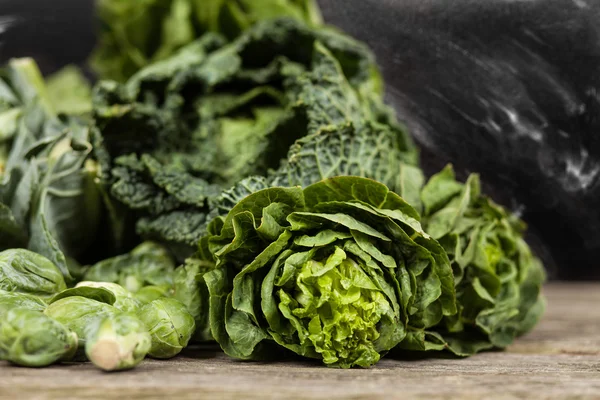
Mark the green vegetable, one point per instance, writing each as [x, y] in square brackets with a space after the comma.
[251, 143]
[27, 272]
[50, 201]
[189, 288]
[22, 94]
[70, 91]
[340, 271]
[124, 300]
[20, 84]
[10, 300]
[216, 121]
[117, 342]
[170, 325]
[135, 34]
[78, 313]
[497, 278]
[32, 339]
[148, 264]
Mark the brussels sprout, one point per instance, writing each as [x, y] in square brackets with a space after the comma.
[10, 300]
[117, 342]
[170, 325]
[148, 264]
[149, 293]
[340, 271]
[124, 300]
[27, 272]
[77, 313]
[32, 339]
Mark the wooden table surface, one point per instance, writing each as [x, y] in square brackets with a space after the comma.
[559, 359]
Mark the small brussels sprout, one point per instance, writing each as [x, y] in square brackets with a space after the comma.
[32, 339]
[10, 300]
[148, 264]
[148, 294]
[117, 342]
[170, 324]
[27, 272]
[124, 300]
[77, 313]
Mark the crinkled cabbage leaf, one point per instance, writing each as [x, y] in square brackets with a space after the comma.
[186, 138]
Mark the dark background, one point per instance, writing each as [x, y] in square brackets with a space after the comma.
[506, 88]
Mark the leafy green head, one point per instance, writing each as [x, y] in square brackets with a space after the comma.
[340, 271]
[32, 339]
[27, 272]
[498, 279]
[117, 342]
[170, 325]
[281, 88]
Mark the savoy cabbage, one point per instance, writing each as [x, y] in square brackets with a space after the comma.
[182, 131]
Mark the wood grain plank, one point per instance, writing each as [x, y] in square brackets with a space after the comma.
[560, 359]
